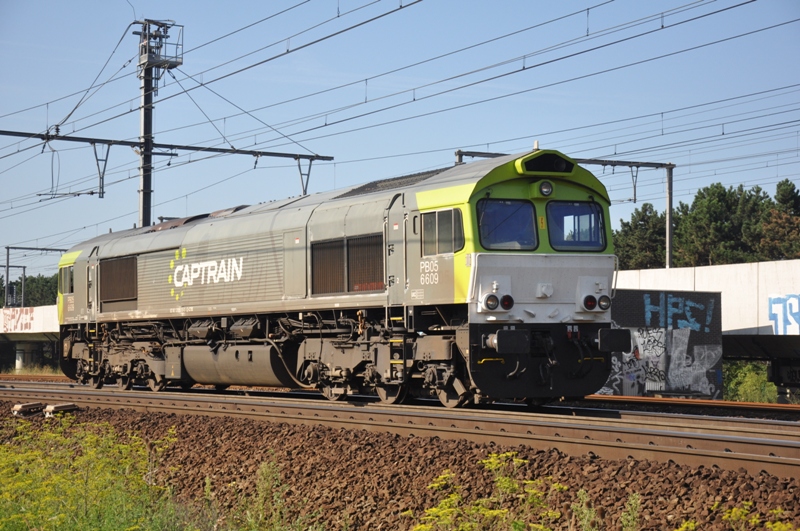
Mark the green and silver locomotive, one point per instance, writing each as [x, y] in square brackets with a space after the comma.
[480, 282]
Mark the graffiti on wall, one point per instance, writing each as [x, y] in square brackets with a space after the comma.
[784, 312]
[676, 344]
[671, 311]
[17, 320]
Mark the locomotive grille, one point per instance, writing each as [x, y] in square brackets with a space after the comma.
[356, 263]
[365, 263]
[327, 267]
[118, 279]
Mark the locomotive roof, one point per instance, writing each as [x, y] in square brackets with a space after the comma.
[171, 233]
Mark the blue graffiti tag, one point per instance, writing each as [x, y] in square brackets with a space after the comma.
[784, 312]
[677, 312]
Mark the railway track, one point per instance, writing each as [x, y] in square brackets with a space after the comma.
[728, 443]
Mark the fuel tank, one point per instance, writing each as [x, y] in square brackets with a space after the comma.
[254, 365]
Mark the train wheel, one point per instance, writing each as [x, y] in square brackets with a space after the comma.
[69, 367]
[449, 398]
[97, 381]
[155, 385]
[332, 393]
[124, 382]
[392, 394]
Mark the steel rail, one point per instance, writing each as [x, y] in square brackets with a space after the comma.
[692, 402]
[618, 401]
[722, 426]
[756, 451]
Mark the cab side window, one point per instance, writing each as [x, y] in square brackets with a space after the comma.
[65, 280]
[442, 232]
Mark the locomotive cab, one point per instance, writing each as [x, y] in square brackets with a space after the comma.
[537, 270]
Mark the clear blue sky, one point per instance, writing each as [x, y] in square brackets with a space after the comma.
[705, 85]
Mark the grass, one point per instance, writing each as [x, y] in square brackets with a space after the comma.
[67, 476]
[34, 370]
[73, 477]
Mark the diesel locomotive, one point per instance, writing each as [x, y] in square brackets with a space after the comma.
[479, 282]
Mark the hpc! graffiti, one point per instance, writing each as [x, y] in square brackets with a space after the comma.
[678, 312]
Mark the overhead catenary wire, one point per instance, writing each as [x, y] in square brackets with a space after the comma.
[515, 59]
[248, 113]
[264, 61]
[518, 92]
[212, 41]
[696, 108]
[86, 95]
[447, 91]
[343, 161]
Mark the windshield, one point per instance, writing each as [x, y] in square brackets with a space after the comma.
[506, 224]
[575, 226]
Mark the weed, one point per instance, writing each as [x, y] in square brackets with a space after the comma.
[515, 503]
[268, 509]
[583, 513]
[68, 476]
[630, 516]
[743, 517]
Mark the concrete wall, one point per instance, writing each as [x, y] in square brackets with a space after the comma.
[761, 298]
[35, 323]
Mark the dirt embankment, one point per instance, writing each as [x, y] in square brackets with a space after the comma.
[366, 480]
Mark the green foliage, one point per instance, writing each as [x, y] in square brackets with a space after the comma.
[641, 242]
[747, 382]
[743, 517]
[38, 370]
[515, 504]
[583, 514]
[39, 290]
[268, 510]
[787, 197]
[630, 517]
[781, 239]
[67, 476]
[722, 226]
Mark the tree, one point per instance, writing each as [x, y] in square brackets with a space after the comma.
[787, 198]
[781, 236]
[39, 290]
[722, 226]
[641, 242]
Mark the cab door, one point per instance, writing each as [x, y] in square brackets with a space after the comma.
[92, 283]
[395, 236]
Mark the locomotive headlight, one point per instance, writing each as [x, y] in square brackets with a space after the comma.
[589, 302]
[546, 188]
[604, 302]
[491, 302]
[507, 302]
